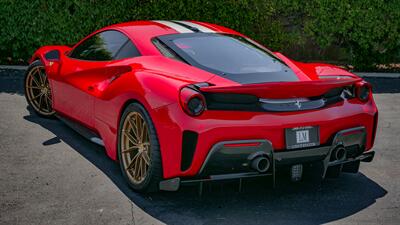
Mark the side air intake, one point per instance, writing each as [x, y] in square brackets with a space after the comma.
[189, 143]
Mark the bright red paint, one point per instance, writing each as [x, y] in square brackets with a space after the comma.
[95, 94]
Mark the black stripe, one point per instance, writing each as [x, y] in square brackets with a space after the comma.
[194, 29]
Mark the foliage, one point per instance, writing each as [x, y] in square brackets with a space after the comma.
[361, 32]
[368, 29]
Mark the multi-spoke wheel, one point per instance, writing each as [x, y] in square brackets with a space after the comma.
[138, 149]
[37, 90]
[135, 145]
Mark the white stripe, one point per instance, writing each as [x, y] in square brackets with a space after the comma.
[177, 27]
[198, 26]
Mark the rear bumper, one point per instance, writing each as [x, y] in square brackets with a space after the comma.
[353, 140]
[233, 159]
[186, 141]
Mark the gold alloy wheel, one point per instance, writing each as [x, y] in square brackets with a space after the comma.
[38, 91]
[135, 147]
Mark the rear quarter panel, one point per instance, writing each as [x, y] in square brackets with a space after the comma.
[150, 88]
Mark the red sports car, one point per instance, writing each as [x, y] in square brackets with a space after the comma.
[185, 101]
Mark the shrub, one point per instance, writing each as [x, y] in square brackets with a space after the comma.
[367, 29]
[361, 32]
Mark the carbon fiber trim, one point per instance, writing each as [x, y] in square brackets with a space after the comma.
[222, 150]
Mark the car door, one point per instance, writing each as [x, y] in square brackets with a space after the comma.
[80, 71]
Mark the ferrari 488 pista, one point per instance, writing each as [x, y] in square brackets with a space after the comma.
[184, 101]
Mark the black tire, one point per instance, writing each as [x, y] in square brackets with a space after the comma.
[334, 171]
[32, 66]
[154, 175]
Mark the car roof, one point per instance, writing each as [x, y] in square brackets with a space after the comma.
[160, 27]
[142, 32]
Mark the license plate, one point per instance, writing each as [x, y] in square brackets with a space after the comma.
[302, 137]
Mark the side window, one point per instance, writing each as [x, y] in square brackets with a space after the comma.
[103, 46]
[128, 50]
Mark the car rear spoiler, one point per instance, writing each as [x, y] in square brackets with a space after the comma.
[282, 90]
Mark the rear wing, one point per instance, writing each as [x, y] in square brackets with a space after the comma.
[284, 90]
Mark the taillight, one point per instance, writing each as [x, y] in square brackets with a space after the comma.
[363, 91]
[192, 101]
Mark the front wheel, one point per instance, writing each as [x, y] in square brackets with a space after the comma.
[139, 150]
[37, 90]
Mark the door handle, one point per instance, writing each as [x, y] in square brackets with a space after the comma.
[90, 88]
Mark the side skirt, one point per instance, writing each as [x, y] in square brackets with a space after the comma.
[82, 130]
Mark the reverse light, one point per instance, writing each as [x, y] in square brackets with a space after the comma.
[192, 101]
[296, 172]
[363, 91]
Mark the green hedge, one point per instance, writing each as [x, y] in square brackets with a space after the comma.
[358, 32]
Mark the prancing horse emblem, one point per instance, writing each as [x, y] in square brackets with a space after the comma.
[298, 104]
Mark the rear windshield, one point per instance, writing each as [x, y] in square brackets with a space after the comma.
[233, 57]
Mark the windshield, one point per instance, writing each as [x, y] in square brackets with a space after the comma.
[232, 56]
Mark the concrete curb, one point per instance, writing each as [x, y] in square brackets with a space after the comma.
[378, 75]
[360, 74]
[12, 67]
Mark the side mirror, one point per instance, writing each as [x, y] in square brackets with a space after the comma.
[53, 56]
[53, 59]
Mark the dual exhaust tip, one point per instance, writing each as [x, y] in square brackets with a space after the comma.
[338, 154]
[261, 164]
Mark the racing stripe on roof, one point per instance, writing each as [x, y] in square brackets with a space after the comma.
[175, 26]
[194, 29]
[201, 28]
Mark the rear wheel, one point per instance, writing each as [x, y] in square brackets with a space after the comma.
[37, 90]
[139, 150]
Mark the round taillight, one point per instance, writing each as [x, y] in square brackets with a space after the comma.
[364, 91]
[192, 101]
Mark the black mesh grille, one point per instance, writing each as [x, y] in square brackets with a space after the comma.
[189, 142]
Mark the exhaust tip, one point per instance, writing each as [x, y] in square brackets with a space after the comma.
[261, 164]
[339, 153]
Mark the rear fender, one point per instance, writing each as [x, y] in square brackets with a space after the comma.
[314, 71]
[150, 90]
[324, 70]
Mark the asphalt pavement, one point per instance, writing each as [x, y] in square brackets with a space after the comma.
[51, 175]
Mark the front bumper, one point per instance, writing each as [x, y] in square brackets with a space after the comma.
[232, 159]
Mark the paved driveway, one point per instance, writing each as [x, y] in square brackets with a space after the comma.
[51, 175]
